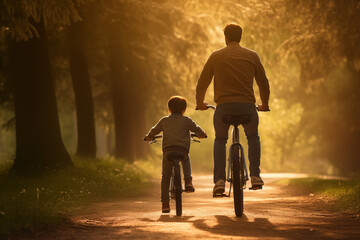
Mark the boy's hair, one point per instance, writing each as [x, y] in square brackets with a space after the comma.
[233, 32]
[177, 104]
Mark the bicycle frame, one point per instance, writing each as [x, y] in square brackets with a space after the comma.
[237, 173]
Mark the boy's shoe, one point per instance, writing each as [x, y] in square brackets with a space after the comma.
[188, 185]
[165, 207]
[219, 187]
[256, 181]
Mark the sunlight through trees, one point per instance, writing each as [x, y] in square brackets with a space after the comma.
[112, 64]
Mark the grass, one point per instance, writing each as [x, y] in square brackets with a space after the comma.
[151, 167]
[27, 203]
[345, 194]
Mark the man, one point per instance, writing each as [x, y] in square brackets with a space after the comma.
[234, 69]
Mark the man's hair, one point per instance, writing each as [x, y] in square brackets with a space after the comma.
[233, 32]
[177, 104]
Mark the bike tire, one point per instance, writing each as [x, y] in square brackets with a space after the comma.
[238, 176]
[178, 189]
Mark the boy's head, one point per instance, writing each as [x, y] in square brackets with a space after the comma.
[177, 104]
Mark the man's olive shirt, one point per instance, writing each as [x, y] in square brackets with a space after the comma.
[234, 69]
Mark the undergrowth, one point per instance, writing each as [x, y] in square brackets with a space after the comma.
[344, 193]
[28, 202]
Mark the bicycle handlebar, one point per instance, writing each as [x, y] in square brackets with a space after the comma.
[267, 110]
[207, 107]
[192, 135]
[213, 107]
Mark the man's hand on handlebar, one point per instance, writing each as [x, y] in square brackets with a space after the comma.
[202, 106]
[203, 136]
[263, 108]
[147, 138]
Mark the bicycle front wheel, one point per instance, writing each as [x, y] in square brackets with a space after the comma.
[178, 189]
[237, 168]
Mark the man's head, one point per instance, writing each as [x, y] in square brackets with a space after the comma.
[177, 104]
[232, 33]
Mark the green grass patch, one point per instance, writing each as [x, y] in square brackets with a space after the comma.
[28, 202]
[344, 193]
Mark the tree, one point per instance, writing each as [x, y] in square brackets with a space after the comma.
[38, 139]
[83, 93]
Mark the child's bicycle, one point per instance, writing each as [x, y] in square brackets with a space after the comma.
[237, 173]
[175, 188]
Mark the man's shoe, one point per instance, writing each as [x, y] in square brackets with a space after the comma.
[188, 185]
[165, 207]
[256, 181]
[219, 187]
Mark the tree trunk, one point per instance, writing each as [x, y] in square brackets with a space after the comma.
[83, 93]
[122, 104]
[142, 148]
[1, 144]
[38, 139]
[109, 141]
[123, 101]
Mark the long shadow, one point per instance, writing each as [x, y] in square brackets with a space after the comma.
[259, 227]
[169, 218]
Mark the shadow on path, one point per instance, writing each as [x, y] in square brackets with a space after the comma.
[169, 218]
[259, 227]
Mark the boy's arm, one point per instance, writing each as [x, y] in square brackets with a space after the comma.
[193, 127]
[155, 130]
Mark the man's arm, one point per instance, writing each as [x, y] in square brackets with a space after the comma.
[204, 82]
[263, 84]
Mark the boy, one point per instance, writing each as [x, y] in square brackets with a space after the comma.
[176, 138]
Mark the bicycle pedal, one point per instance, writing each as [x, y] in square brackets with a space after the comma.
[257, 187]
[219, 195]
[189, 191]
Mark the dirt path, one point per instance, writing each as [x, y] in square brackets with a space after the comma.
[269, 214]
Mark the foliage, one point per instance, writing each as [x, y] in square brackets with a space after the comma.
[329, 59]
[310, 56]
[345, 194]
[33, 201]
[16, 16]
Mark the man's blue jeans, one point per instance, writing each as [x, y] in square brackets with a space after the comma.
[221, 137]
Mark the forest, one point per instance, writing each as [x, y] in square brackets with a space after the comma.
[90, 77]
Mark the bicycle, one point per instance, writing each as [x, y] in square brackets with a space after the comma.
[175, 188]
[237, 173]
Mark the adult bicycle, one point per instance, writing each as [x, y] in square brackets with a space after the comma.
[237, 173]
[175, 187]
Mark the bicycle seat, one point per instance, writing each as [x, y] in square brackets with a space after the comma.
[236, 119]
[176, 156]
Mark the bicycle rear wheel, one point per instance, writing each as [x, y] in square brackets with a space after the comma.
[238, 176]
[178, 189]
